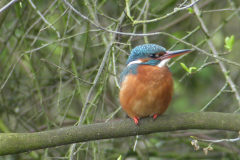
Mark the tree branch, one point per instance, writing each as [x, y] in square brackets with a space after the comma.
[4, 8]
[11, 143]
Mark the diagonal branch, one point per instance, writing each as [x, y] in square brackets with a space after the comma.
[4, 8]
[12, 143]
[215, 52]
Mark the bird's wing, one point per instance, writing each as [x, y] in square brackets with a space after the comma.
[132, 69]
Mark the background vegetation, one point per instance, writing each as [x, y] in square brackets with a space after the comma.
[60, 62]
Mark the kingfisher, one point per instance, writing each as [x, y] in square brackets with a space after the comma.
[146, 83]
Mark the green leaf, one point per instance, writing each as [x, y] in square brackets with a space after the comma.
[190, 10]
[229, 42]
[191, 69]
[120, 157]
[185, 67]
[20, 4]
[193, 137]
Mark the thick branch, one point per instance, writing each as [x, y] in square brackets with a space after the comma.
[11, 143]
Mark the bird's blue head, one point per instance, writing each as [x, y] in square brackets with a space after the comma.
[152, 54]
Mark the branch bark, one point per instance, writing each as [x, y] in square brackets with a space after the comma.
[12, 143]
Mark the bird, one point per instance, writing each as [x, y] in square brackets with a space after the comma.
[146, 84]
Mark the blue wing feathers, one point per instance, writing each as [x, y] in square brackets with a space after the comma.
[132, 69]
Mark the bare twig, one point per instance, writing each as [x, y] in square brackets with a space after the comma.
[8, 5]
[216, 54]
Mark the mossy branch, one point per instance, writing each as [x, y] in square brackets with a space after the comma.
[12, 143]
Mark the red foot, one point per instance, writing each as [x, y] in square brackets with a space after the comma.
[136, 120]
[155, 116]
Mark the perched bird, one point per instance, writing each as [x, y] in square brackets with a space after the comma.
[146, 83]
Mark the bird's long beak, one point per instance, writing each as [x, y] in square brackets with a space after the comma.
[171, 54]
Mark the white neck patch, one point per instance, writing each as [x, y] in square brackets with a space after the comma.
[164, 62]
[134, 62]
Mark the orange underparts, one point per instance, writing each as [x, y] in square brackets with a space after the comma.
[147, 93]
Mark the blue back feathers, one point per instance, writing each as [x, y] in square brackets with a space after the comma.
[141, 52]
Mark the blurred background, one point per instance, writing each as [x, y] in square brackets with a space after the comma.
[59, 68]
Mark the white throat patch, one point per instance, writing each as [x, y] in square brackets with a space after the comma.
[164, 62]
[134, 62]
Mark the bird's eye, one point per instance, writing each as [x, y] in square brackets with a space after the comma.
[152, 55]
[157, 55]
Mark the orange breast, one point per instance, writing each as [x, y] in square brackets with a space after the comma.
[147, 93]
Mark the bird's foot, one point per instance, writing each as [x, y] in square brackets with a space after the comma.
[136, 120]
[155, 116]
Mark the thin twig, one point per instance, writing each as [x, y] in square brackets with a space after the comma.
[8, 5]
[217, 95]
[215, 53]
[39, 13]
